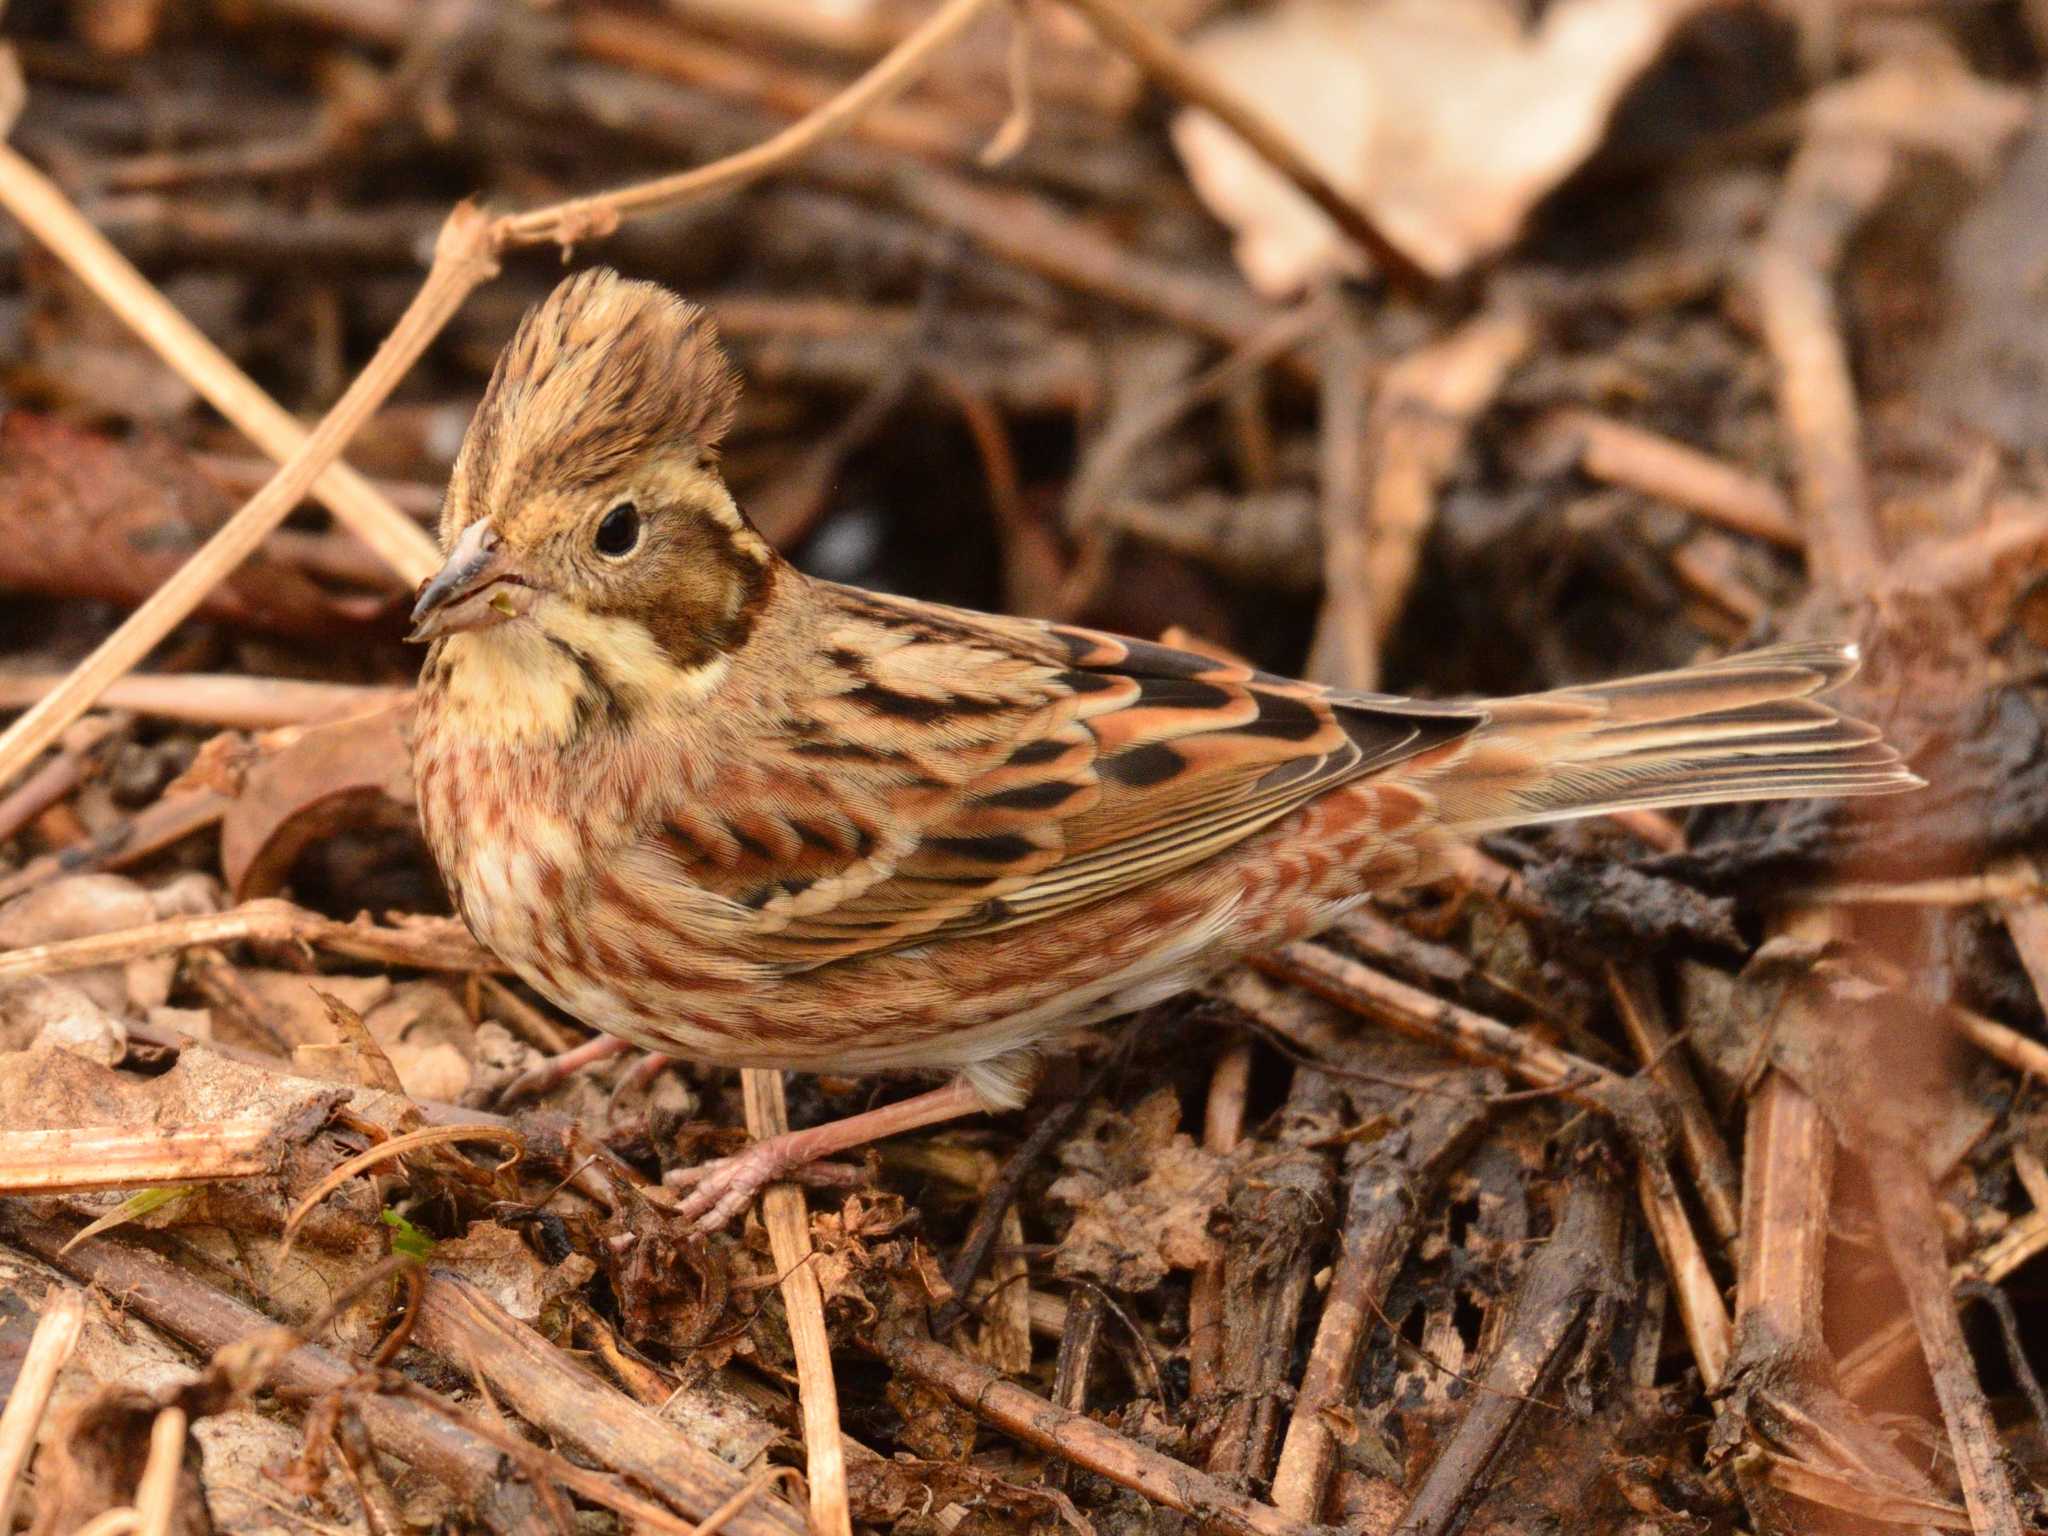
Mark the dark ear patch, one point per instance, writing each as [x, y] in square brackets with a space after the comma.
[700, 593]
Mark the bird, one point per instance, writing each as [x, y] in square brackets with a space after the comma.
[724, 810]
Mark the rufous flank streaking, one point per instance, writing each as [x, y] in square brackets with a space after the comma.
[731, 812]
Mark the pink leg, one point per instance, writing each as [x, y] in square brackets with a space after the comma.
[552, 1071]
[719, 1190]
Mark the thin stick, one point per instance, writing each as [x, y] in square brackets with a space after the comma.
[46, 213]
[1081, 1440]
[229, 700]
[1833, 183]
[1222, 1126]
[1346, 648]
[586, 218]
[462, 259]
[1162, 57]
[788, 1221]
[1621, 453]
[1910, 1222]
[428, 944]
[1699, 1139]
[56, 1336]
[1701, 1311]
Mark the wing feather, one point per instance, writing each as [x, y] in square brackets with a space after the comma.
[957, 773]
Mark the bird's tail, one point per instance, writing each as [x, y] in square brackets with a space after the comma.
[1747, 728]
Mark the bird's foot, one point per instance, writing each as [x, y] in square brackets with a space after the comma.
[720, 1189]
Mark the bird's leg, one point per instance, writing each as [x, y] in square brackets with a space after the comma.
[560, 1067]
[720, 1189]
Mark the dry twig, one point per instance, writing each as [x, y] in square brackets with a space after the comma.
[787, 1218]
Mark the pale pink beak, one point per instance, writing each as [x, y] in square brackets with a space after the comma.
[479, 585]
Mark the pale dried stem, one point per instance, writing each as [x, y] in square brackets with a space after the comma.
[1222, 1126]
[1833, 183]
[42, 208]
[228, 700]
[56, 1336]
[586, 218]
[1346, 648]
[1004, 1340]
[1701, 1311]
[2026, 919]
[2002, 885]
[1788, 1167]
[1472, 1035]
[2015, 530]
[156, 1491]
[788, 1221]
[462, 259]
[428, 944]
[1160, 55]
[71, 1159]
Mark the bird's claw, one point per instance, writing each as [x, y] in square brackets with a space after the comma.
[720, 1189]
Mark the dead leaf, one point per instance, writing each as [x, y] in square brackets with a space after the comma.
[350, 775]
[87, 516]
[1143, 1194]
[499, 1262]
[1447, 119]
[373, 1068]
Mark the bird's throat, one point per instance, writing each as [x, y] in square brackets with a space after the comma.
[549, 684]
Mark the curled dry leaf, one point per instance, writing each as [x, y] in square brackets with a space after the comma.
[1447, 119]
[1143, 1194]
[348, 775]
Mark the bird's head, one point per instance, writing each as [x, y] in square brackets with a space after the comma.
[586, 507]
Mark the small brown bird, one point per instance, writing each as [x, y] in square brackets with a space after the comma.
[727, 811]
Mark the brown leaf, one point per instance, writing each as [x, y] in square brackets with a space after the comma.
[1143, 1194]
[87, 516]
[349, 775]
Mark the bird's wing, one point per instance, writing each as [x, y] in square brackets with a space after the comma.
[957, 773]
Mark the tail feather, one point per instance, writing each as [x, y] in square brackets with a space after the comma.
[1746, 728]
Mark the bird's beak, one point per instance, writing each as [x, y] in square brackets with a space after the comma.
[480, 585]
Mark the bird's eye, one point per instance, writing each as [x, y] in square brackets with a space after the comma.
[619, 531]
